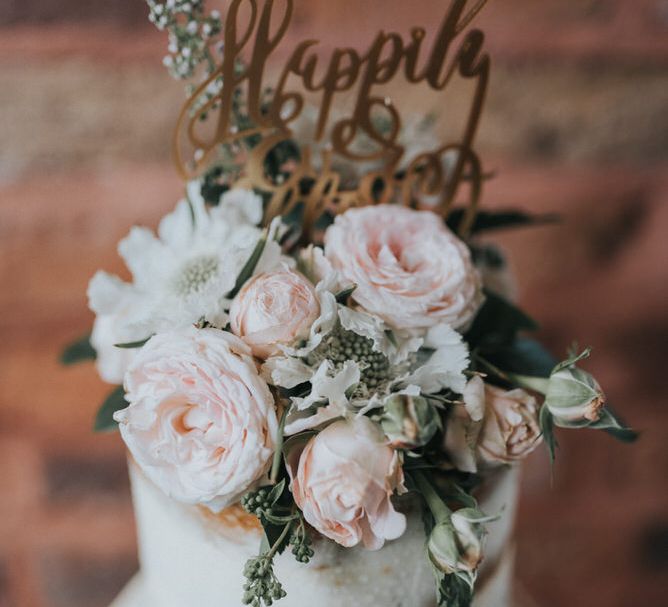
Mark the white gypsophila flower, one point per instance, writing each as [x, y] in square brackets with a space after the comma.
[185, 273]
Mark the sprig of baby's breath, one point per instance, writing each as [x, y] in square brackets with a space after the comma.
[192, 34]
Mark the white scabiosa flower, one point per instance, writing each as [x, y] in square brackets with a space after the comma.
[352, 360]
[186, 272]
[181, 276]
[348, 373]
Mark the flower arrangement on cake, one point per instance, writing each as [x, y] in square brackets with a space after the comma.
[318, 361]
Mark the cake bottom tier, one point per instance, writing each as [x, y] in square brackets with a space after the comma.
[190, 557]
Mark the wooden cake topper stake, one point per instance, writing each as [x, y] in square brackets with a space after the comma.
[412, 181]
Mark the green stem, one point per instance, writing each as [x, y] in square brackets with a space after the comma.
[191, 207]
[279, 541]
[278, 453]
[438, 508]
[537, 384]
[250, 265]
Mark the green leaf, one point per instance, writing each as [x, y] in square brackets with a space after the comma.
[572, 360]
[497, 323]
[392, 338]
[278, 519]
[459, 494]
[275, 536]
[343, 295]
[524, 356]
[454, 591]
[249, 266]
[211, 188]
[547, 428]
[297, 441]
[133, 344]
[78, 351]
[278, 452]
[276, 492]
[104, 420]
[497, 220]
[608, 422]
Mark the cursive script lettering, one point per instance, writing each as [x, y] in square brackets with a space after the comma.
[414, 182]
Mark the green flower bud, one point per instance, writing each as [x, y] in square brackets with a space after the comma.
[470, 537]
[456, 545]
[574, 397]
[442, 548]
[409, 421]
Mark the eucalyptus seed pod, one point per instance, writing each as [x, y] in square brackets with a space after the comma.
[409, 421]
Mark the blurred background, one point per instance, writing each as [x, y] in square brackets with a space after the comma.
[576, 123]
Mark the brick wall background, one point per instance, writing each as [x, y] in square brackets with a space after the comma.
[576, 123]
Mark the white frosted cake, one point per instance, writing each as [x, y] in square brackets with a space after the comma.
[189, 556]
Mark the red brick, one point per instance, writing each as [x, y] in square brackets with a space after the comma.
[77, 580]
[22, 480]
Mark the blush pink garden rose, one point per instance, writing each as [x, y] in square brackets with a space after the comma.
[343, 482]
[274, 308]
[409, 268]
[201, 422]
[510, 428]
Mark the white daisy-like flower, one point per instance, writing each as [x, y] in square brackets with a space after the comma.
[114, 303]
[185, 273]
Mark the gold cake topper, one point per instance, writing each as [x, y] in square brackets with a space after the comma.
[416, 182]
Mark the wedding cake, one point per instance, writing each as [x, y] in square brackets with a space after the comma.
[322, 381]
[191, 557]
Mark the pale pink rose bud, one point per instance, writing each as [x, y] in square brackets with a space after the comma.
[408, 267]
[409, 421]
[343, 480]
[274, 308]
[456, 545]
[574, 397]
[510, 428]
[201, 422]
